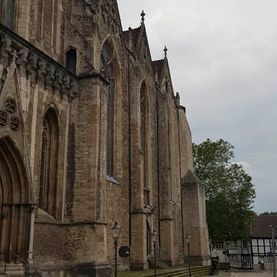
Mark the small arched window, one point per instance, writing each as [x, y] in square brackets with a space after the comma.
[71, 60]
[107, 66]
[48, 163]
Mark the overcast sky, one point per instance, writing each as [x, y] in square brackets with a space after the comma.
[223, 60]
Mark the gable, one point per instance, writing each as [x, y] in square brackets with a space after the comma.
[142, 45]
[12, 117]
[163, 76]
[10, 104]
[108, 11]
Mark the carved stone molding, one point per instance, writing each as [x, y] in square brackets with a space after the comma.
[9, 114]
[107, 10]
[3, 118]
[34, 64]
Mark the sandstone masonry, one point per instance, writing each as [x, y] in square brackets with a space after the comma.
[91, 133]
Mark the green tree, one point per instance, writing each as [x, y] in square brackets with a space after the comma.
[229, 190]
[268, 213]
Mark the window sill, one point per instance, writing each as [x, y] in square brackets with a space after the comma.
[173, 203]
[44, 217]
[112, 180]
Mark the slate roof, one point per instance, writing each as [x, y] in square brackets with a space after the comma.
[260, 226]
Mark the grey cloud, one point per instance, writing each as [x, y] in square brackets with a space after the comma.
[223, 60]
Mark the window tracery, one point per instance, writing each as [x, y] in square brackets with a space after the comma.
[143, 141]
[9, 115]
[108, 70]
[48, 163]
[47, 22]
[169, 158]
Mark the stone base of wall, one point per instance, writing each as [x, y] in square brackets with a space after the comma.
[92, 270]
[12, 269]
[139, 266]
[199, 260]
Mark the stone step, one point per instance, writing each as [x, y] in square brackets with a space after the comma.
[184, 272]
[12, 269]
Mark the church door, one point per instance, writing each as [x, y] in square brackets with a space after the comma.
[14, 209]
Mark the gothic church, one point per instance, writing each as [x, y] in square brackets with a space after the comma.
[91, 133]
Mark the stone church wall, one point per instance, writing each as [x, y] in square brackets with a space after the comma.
[70, 220]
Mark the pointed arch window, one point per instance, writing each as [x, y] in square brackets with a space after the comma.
[48, 165]
[169, 154]
[109, 73]
[7, 13]
[1, 11]
[143, 118]
[10, 14]
[47, 29]
[143, 139]
[148, 240]
[71, 60]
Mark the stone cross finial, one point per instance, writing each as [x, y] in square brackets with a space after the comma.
[165, 52]
[142, 16]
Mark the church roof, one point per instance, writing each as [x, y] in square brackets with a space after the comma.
[260, 226]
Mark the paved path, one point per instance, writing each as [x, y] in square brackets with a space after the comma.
[253, 274]
[245, 274]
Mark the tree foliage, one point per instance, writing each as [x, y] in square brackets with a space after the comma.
[268, 213]
[229, 190]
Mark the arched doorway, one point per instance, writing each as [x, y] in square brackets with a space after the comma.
[14, 208]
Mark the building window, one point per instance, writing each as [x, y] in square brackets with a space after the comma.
[169, 154]
[47, 27]
[1, 11]
[71, 60]
[148, 240]
[7, 13]
[10, 14]
[143, 141]
[40, 6]
[143, 117]
[49, 164]
[107, 67]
